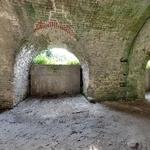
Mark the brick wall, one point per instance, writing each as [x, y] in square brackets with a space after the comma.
[104, 35]
[139, 57]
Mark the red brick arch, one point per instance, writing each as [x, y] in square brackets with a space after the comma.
[54, 24]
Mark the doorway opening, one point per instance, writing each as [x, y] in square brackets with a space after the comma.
[55, 71]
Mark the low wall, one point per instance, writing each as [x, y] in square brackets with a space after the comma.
[49, 80]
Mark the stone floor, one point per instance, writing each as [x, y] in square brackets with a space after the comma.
[71, 124]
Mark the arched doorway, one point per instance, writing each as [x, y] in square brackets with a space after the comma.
[54, 72]
[138, 59]
[22, 69]
[49, 34]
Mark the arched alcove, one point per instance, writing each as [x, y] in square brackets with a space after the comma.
[24, 60]
[137, 64]
[54, 72]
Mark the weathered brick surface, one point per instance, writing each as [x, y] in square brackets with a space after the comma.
[104, 35]
[139, 57]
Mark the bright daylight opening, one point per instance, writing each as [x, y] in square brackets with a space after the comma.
[56, 56]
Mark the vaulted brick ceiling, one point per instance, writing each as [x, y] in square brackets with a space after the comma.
[105, 32]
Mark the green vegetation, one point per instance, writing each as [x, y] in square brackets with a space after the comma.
[43, 59]
[73, 62]
[50, 57]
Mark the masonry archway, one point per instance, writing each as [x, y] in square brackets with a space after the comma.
[39, 41]
[137, 64]
[54, 72]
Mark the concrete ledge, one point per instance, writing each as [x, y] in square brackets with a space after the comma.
[50, 80]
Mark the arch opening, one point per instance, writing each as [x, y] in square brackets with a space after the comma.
[56, 56]
[54, 72]
[138, 59]
[25, 61]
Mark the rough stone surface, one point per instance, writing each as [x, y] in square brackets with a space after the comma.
[103, 34]
[71, 124]
[134, 144]
[21, 74]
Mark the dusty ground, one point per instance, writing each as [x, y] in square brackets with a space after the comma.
[71, 124]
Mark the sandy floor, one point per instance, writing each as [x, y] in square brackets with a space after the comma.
[71, 124]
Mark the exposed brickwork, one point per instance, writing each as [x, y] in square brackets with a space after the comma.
[54, 25]
[139, 57]
[104, 31]
[21, 74]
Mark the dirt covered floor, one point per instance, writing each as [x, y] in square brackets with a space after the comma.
[73, 124]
